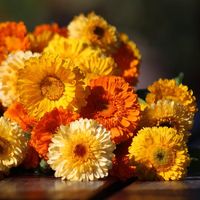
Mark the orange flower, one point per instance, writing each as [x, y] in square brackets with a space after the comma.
[47, 126]
[128, 59]
[54, 28]
[113, 104]
[43, 34]
[16, 112]
[32, 159]
[122, 168]
[13, 36]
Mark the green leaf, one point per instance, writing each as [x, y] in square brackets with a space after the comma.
[142, 93]
[43, 164]
[179, 78]
[27, 135]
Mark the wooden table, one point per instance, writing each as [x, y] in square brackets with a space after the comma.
[36, 187]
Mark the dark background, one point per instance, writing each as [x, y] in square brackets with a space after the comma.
[166, 32]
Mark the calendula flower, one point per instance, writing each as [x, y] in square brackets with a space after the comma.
[13, 145]
[9, 75]
[170, 114]
[122, 167]
[159, 153]
[42, 34]
[13, 37]
[17, 113]
[49, 82]
[45, 128]
[113, 103]
[128, 58]
[94, 29]
[168, 89]
[32, 159]
[81, 151]
[71, 48]
[96, 66]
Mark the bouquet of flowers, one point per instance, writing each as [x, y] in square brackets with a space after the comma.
[69, 105]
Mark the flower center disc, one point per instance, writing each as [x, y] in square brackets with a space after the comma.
[99, 32]
[80, 150]
[52, 88]
[3, 146]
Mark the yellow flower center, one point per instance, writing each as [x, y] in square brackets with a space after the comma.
[52, 88]
[99, 32]
[162, 158]
[80, 150]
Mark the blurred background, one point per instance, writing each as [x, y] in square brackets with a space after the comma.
[166, 32]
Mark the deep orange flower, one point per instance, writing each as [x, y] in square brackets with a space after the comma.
[47, 126]
[31, 160]
[13, 36]
[128, 59]
[43, 34]
[16, 112]
[122, 168]
[113, 103]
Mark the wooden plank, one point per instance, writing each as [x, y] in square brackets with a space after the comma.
[36, 187]
[173, 190]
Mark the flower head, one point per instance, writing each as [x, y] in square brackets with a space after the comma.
[71, 48]
[81, 151]
[49, 82]
[168, 89]
[42, 34]
[9, 74]
[122, 167]
[128, 59]
[13, 36]
[45, 128]
[17, 113]
[96, 65]
[170, 114]
[13, 145]
[94, 29]
[159, 153]
[113, 103]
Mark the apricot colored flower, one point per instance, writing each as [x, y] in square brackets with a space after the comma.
[13, 145]
[113, 103]
[71, 48]
[128, 58]
[168, 89]
[170, 114]
[94, 29]
[49, 82]
[159, 153]
[81, 151]
[9, 74]
[32, 159]
[122, 167]
[45, 128]
[13, 36]
[17, 113]
[42, 34]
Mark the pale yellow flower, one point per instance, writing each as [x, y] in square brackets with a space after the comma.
[81, 151]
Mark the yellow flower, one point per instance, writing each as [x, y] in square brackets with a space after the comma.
[96, 66]
[81, 151]
[9, 75]
[49, 82]
[170, 114]
[159, 153]
[75, 49]
[13, 145]
[168, 89]
[95, 29]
